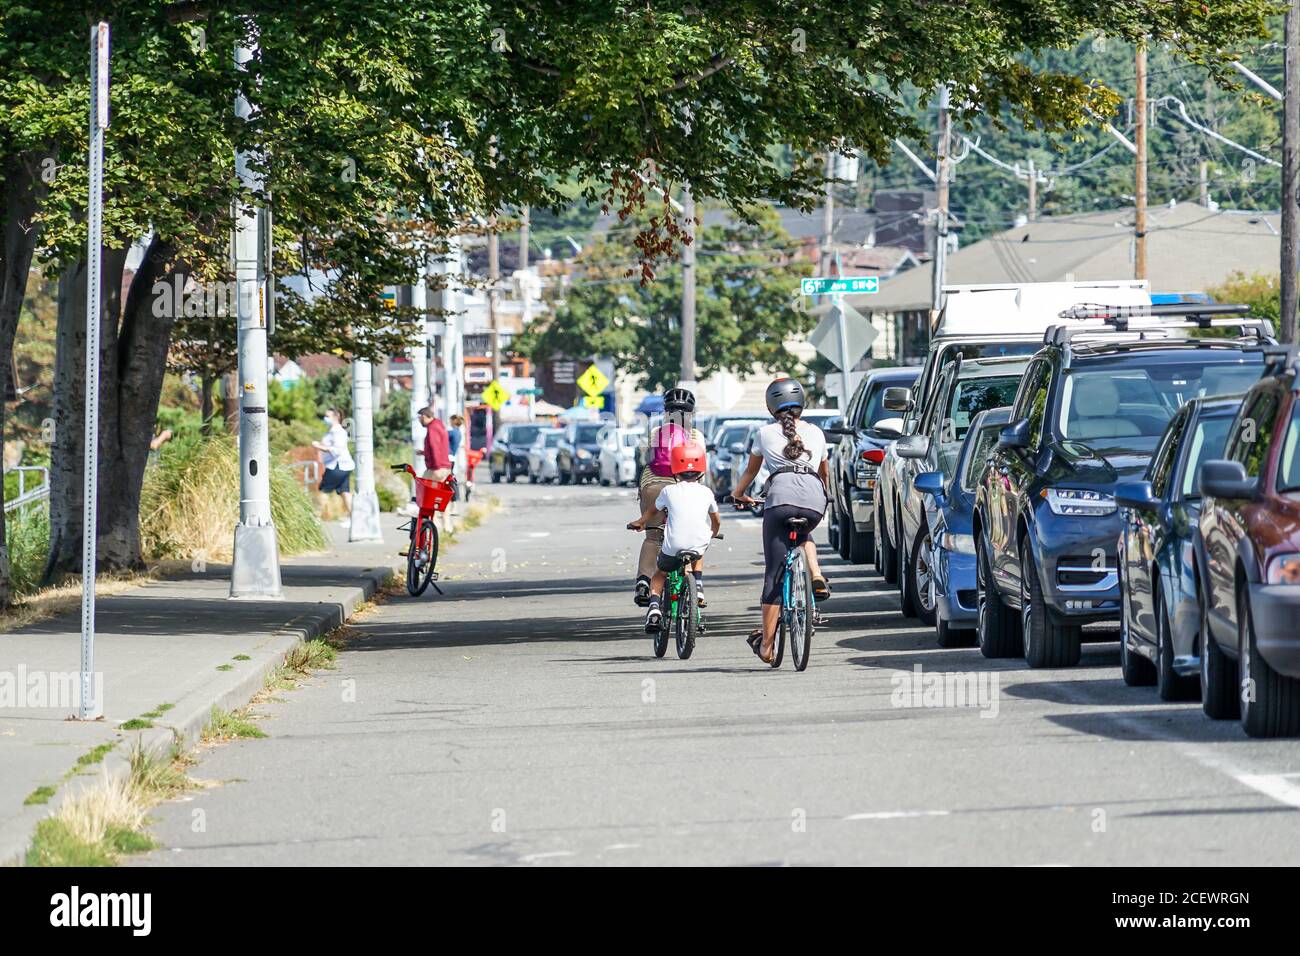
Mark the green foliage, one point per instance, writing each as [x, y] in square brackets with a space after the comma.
[745, 297]
[293, 403]
[1261, 291]
[393, 419]
[28, 531]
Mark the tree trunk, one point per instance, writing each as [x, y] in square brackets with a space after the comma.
[22, 193]
[205, 403]
[133, 357]
[230, 401]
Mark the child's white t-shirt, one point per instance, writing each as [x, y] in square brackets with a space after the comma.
[688, 527]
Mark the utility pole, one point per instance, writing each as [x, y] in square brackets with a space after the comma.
[1290, 167]
[421, 385]
[523, 237]
[494, 320]
[1203, 174]
[940, 263]
[1140, 193]
[364, 524]
[1033, 191]
[255, 567]
[688, 291]
[828, 216]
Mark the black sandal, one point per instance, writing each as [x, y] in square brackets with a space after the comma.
[755, 640]
[821, 589]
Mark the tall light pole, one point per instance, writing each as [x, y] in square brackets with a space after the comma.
[1140, 192]
[89, 706]
[255, 568]
[1290, 168]
[940, 264]
[688, 291]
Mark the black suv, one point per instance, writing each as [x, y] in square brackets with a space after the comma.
[1089, 413]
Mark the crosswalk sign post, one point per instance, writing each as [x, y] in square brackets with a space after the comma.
[495, 396]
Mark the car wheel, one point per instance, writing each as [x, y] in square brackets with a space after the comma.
[1170, 685]
[563, 478]
[511, 476]
[1136, 670]
[997, 629]
[861, 544]
[843, 529]
[877, 560]
[532, 478]
[888, 553]
[496, 477]
[1270, 702]
[1048, 642]
[920, 578]
[1219, 697]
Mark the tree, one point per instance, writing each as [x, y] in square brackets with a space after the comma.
[746, 280]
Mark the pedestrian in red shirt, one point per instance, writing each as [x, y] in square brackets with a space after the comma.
[437, 453]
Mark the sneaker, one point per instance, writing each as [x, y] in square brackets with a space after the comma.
[642, 596]
[699, 598]
[652, 619]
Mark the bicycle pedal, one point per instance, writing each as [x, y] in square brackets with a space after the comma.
[434, 576]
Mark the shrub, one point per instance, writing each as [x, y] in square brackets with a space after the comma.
[28, 532]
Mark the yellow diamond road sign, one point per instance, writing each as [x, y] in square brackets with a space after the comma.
[592, 381]
[495, 395]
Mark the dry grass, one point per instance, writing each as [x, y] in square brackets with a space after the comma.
[63, 598]
[115, 803]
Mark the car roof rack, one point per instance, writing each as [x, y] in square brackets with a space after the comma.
[1152, 322]
[1282, 357]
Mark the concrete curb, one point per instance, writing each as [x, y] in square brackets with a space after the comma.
[228, 691]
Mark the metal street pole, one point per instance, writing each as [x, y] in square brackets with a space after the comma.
[255, 568]
[688, 291]
[1140, 192]
[1290, 168]
[89, 705]
[421, 386]
[828, 215]
[842, 332]
[364, 524]
[494, 319]
[524, 223]
[940, 263]
[1033, 192]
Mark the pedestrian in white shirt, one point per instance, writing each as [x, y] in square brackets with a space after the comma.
[336, 458]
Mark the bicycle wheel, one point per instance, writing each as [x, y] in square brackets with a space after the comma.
[802, 606]
[688, 613]
[660, 637]
[414, 562]
[422, 558]
[783, 626]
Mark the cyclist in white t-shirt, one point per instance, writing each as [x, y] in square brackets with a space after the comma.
[692, 522]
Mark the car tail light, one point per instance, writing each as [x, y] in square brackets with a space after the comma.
[874, 455]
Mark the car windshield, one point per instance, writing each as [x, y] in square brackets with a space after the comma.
[732, 435]
[982, 446]
[524, 434]
[969, 398]
[1209, 441]
[1288, 466]
[553, 439]
[1122, 406]
[588, 434]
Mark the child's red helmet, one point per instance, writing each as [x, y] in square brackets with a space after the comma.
[690, 458]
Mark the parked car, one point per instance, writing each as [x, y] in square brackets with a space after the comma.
[578, 456]
[1091, 409]
[740, 453]
[729, 440]
[509, 456]
[857, 447]
[965, 388]
[979, 321]
[616, 463]
[1248, 558]
[1159, 610]
[541, 456]
[949, 504]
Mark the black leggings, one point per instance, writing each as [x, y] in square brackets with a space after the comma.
[775, 537]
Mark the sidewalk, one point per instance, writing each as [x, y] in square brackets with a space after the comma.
[163, 643]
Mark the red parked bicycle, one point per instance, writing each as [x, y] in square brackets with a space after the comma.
[431, 497]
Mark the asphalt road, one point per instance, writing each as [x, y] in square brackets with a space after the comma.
[521, 719]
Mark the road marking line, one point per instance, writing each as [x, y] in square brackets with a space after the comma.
[1275, 785]
[898, 815]
[624, 846]
[534, 857]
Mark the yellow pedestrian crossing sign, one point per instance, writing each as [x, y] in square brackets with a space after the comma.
[495, 395]
[593, 381]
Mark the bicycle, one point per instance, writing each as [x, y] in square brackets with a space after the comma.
[431, 497]
[681, 616]
[798, 621]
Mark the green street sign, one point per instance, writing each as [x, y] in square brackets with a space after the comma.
[850, 285]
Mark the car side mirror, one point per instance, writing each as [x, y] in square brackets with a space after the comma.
[736, 448]
[898, 398]
[888, 428]
[711, 446]
[930, 483]
[1136, 494]
[1227, 479]
[913, 446]
[1015, 435]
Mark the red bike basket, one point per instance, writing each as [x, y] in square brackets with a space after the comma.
[432, 495]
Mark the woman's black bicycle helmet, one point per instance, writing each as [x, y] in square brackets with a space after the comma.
[679, 400]
[784, 393]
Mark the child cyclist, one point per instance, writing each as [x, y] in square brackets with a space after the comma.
[692, 522]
